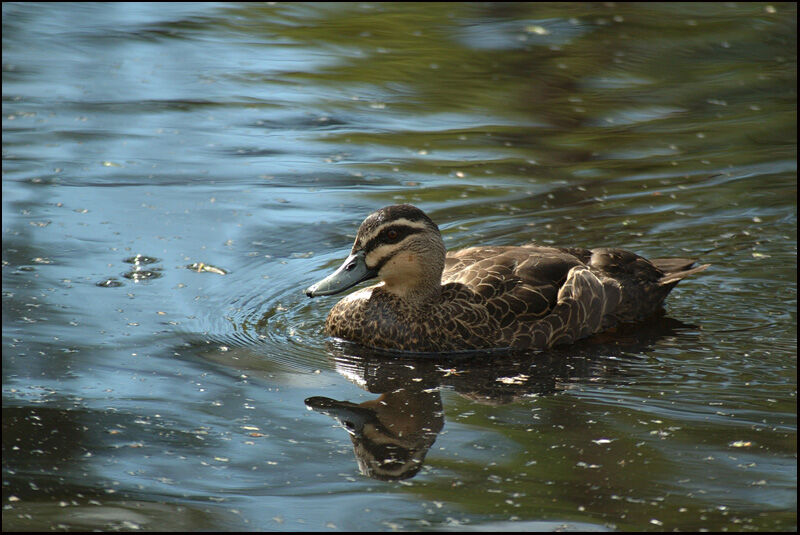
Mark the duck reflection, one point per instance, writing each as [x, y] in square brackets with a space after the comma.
[392, 434]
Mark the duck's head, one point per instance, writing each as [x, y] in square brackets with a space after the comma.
[398, 244]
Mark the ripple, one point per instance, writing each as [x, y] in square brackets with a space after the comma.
[273, 319]
[138, 275]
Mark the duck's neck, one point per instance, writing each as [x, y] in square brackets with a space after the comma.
[417, 295]
[412, 279]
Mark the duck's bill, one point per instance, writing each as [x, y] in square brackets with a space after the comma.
[350, 273]
[351, 416]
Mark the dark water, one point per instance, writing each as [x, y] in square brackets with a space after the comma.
[139, 139]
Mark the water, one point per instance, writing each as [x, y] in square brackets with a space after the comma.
[150, 392]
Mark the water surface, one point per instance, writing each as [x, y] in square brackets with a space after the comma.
[174, 175]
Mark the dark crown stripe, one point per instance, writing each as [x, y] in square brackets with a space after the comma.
[405, 211]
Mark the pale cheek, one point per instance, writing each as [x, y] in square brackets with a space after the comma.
[400, 269]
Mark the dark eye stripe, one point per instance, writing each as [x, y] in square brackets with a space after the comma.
[402, 231]
[383, 261]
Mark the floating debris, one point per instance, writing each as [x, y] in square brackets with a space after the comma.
[536, 29]
[516, 380]
[110, 282]
[201, 266]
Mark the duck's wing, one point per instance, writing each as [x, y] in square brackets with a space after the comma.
[514, 285]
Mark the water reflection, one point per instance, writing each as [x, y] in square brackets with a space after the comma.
[392, 433]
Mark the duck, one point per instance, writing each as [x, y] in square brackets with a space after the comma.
[526, 297]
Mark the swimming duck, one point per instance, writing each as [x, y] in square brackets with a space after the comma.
[526, 297]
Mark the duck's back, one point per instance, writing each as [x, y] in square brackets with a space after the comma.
[521, 285]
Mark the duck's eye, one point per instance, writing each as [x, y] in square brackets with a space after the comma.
[391, 234]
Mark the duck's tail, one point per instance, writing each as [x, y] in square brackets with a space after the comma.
[676, 269]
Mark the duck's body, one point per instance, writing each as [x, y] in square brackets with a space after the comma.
[523, 297]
